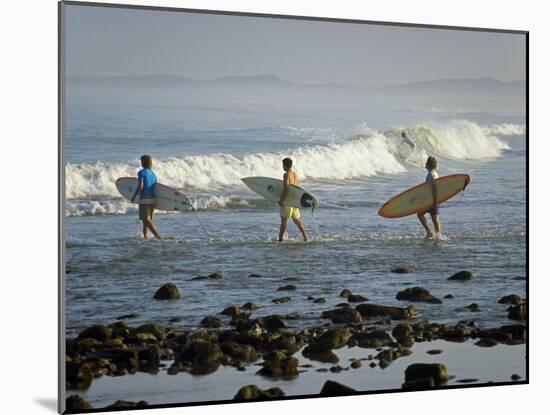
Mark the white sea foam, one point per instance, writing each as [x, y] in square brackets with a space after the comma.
[504, 129]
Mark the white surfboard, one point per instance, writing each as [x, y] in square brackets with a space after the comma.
[166, 197]
[271, 189]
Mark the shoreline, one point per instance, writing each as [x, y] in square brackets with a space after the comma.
[360, 342]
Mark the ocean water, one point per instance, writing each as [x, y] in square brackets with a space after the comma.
[353, 161]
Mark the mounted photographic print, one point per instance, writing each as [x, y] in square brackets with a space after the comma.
[259, 207]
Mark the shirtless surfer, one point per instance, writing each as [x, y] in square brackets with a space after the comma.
[290, 177]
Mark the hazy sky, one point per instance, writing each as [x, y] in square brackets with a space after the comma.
[109, 41]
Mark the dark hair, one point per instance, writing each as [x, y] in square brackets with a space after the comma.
[287, 163]
[146, 161]
[431, 163]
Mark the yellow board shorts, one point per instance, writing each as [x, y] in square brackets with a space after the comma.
[290, 212]
[146, 209]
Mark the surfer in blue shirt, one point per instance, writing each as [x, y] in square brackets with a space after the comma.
[146, 185]
[431, 165]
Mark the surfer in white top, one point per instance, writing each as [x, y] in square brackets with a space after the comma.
[290, 177]
[431, 165]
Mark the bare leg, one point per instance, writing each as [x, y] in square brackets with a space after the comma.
[424, 223]
[152, 228]
[437, 225]
[144, 230]
[282, 229]
[300, 226]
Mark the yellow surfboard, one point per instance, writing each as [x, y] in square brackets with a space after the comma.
[420, 199]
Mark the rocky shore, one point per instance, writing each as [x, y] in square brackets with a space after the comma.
[240, 336]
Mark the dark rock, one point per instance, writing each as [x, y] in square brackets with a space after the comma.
[127, 404]
[97, 332]
[76, 403]
[419, 294]
[254, 276]
[232, 311]
[467, 380]
[402, 330]
[436, 371]
[473, 307]
[515, 377]
[319, 301]
[215, 276]
[272, 322]
[345, 293]
[293, 316]
[326, 357]
[435, 351]
[331, 388]
[128, 316]
[461, 276]
[402, 270]
[395, 313]
[176, 319]
[389, 355]
[336, 369]
[418, 384]
[78, 376]
[342, 305]
[249, 306]
[331, 339]
[356, 364]
[372, 340]
[281, 300]
[518, 312]
[241, 352]
[356, 298]
[251, 392]
[279, 365]
[449, 296]
[456, 334]
[152, 328]
[168, 291]
[211, 322]
[342, 315]
[149, 359]
[200, 351]
[488, 342]
[510, 299]
[288, 287]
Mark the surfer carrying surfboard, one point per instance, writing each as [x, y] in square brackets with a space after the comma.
[431, 165]
[145, 188]
[290, 177]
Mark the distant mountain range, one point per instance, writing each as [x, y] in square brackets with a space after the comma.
[270, 80]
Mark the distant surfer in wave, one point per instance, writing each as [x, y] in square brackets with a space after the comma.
[407, 140]
[431, 165]
[146, 185]
[290, 177]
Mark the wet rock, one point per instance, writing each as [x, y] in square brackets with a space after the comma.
[255, 276]
[200, 351]
[356, 364]
[152, 328]
[97, 332]
[279, 365]
[402, 270]
[418, 384]
[395, 313]
[87, 345]
[76, 403]
[331, 388]
[211, 322]
[342, 315]
[128, 316]
[128, 404]
[199, 278]
[515, 377]
[250, 392]
[336, 369]
[467, 380]
[272, 322]
[488, 342]
[372, 340]
[215, 276]
[281, 300]
[232, 311]
[331, 339]
[474, 307]
[402, 330]
[250, 306]
[418, 294]
[345, 293]
[175, 319]
[357, 298]
[168, 291]
[78, 376]
[510, 299]
[456, 334]
[342, 305]
[518, 312]
[240, 352]
[319, 301]
[449, 296]
[149, 359]
[293, 316]
[326, 357]
[461, 276]
[389, 355]
[435, 351]
[436, 371]
[288, 287]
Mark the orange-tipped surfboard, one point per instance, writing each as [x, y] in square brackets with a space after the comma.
[420, 199]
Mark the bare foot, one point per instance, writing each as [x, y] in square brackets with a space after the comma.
[429, 236]
[305, 238]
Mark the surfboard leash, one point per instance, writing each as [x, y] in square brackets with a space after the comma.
[315, 223]
[197, 217]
